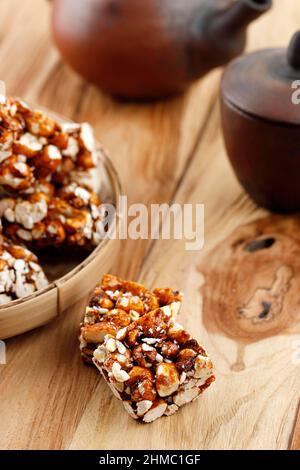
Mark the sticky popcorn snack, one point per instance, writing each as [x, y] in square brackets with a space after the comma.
[50, 217]
[20, 272]
[37, 150]
[47, 180]
[115, 304]
[149, 361]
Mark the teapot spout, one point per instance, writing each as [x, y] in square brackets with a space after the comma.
[243, 12]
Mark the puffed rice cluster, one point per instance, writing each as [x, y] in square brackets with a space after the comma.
[114, 304]
[72, 216]
[150, 362]
[35, 149]
[47, 193]
[20, 272]
[46, 179]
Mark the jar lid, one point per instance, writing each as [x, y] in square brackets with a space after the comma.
[262, 83]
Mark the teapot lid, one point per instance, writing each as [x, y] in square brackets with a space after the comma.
[262, 83]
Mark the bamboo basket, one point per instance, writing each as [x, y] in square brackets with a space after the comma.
[77, 280]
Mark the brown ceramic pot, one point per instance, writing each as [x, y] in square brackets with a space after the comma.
[151, 48]
[261, 125]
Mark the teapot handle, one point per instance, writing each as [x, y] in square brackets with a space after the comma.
[294, 51]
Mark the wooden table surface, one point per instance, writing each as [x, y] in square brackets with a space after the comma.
[164, 152]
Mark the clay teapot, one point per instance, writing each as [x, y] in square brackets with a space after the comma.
[260, 108]
[151, 48]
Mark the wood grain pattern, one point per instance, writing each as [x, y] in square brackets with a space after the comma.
[167, 151]
[295, 438]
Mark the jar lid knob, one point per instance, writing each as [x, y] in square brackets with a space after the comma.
[294, 51]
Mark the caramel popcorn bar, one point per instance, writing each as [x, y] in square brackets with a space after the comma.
[71, 215]
[35, 149]
[149, 361]
[20, 272]
[115, 304]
